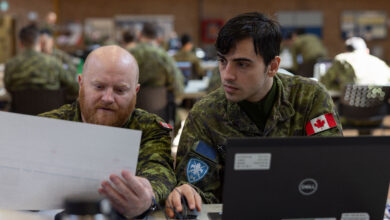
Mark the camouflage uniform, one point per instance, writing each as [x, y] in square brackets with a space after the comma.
[34, 70]
[338, 76]
[214, 119]
[157, 68]
[66, 61]
[355, 67]
[195, 62]
[310, 47]
[154, 159]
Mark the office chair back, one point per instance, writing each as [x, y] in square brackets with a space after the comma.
[33, 102]
[154, 100]
[364, 105]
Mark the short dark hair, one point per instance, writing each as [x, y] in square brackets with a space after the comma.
[150, 30]
[265, 33]
[46, 31]
[29, 35]
[185, 38]
[128, 36]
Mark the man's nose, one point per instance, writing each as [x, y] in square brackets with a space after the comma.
[228, 73]
[108, 96]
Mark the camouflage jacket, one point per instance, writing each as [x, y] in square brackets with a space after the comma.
[157, 68]
[338, 76]
[355, 67]
[214, 119]
[154, 160]
[195, 62]
[66, 61]
[34, 70]
[309, 46]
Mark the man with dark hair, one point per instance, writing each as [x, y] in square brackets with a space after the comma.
[186, 54]
[158, 74]
[129, 39]
[254, 101]
[48, 47]
[34, 70]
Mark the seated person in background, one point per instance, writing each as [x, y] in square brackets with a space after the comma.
[34, 70]
[47, 45]
[108, 89]
[355, 66]
[307, 49]
[157, 70]
[129, 39]
[186, 54]
[254, 101]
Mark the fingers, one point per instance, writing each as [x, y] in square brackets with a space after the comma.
[136, 186]
[198, 202]
[173, 203]
[112, 195]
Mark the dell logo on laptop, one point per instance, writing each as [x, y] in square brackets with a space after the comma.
[308, 187]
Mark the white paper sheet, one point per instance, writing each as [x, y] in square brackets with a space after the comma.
[43, 161]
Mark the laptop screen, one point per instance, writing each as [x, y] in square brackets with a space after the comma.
[306, 178]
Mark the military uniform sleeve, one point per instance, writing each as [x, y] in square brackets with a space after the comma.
[199, 71]
[338, 75]
[323, 104]
[69, 82]
[155, 161]
[201, 171]
[7, 77]
[176, 78]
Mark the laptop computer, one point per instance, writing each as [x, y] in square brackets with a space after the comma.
[317, 178]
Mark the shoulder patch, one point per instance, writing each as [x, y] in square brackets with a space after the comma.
[320, 123]
[165, 125]
[196, 170]
[206, 150]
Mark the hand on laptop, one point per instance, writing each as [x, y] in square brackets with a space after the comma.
[174, 200]
[130, 195]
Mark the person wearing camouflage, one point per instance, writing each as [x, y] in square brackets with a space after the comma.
[107, 96]
[160, 78]
[48, 47]
[186, 54]
[254, 101]
[34, 70]
[356, 65]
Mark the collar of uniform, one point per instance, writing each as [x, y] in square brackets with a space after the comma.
[77, 116]
[238, 119]
[282, 109]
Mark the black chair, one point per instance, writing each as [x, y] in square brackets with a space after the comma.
[36, 101]
[159, 101]
[363, 107]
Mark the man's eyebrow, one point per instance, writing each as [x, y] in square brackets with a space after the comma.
[241, 59]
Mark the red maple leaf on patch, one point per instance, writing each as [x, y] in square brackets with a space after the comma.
[319, 123]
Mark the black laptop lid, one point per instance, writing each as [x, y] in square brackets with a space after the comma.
[309, 177]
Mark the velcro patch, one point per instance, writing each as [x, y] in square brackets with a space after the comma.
[196, 170]
[166, 125]
[206, 150]
[320, 123]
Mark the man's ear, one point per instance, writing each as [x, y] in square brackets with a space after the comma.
[137, 89]
[274, 66]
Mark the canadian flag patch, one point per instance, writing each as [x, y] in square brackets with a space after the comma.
[166, 125]
[320, 123]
